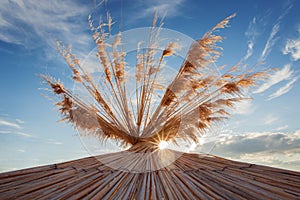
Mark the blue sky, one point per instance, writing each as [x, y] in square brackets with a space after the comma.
[264, 131]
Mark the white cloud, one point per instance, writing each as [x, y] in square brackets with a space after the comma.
[251, 34]
[164, 7]
[249, 50]
[255, 27]
[16, 133]
[278, 149]
[34, 23]
[284, 89]
[281, 128]
[23, 134]
[21, 150]
[272, 39]
[270, 119]
[243, 107]
[4, 132]
[20, 121]
[52, 141]
[6, 123]
[284, 74]
[251, 31]
[287, 160]
[292, 47]
[270, 42]
[9, 127]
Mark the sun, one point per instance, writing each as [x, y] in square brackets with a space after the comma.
[163, 144]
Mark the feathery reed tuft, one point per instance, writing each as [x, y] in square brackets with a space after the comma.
[195, 100]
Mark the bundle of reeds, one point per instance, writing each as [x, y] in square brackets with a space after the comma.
[191, 103]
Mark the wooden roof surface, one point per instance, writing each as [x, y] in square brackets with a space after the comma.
[190, 176]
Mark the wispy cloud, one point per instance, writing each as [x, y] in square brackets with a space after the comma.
[52, 141]
[21, 150]
[284, 89]
[9, 127]
[20, 121]
[15, 133]
[4, 132]
[251, 34]
[164, 7]
[284, 74]
[243, 108]
[281, 128]
[270, 42]
[292, 47]
[270, 119]
[33, 23]
[23, 134]
[272, 39]
[249, 50]
[6, 123]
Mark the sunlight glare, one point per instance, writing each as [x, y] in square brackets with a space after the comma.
[163, 144]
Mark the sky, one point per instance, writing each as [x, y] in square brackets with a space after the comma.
[264, 131]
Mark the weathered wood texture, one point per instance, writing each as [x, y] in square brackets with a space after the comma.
[190, 176]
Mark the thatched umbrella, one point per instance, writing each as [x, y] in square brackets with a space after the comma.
[189, 105]
[191, 176]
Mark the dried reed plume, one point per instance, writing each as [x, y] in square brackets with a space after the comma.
[194, 101]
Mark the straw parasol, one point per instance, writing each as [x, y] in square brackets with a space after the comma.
[191, 176]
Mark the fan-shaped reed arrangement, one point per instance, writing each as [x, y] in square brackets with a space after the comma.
[192, 102]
